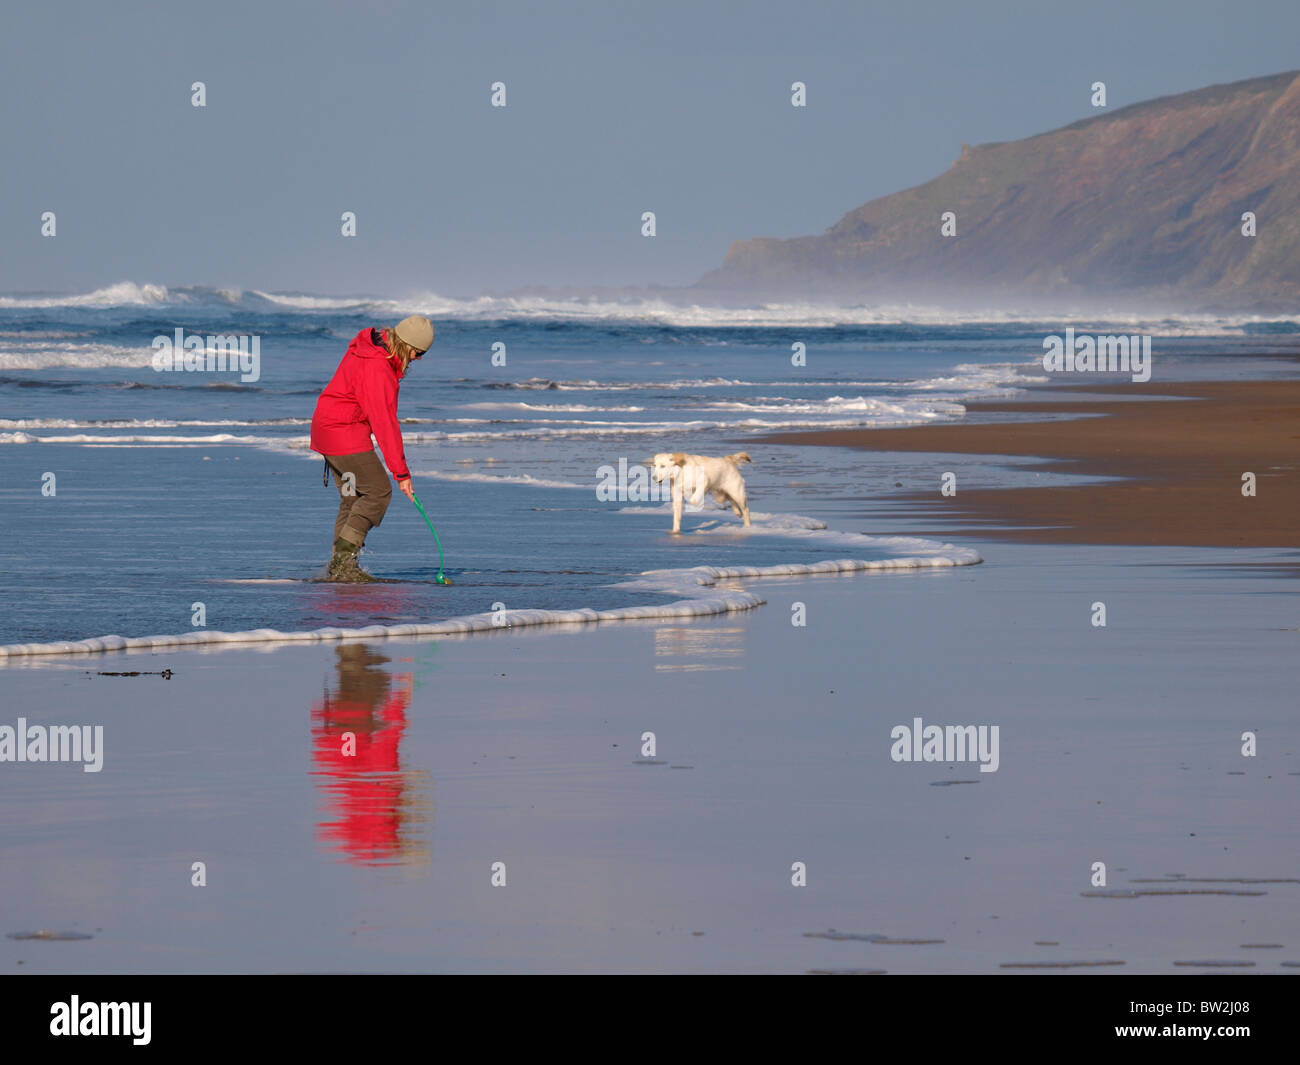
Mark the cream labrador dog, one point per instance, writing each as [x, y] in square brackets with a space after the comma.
[697, 476]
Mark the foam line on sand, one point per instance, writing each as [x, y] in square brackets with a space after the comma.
[699, 597]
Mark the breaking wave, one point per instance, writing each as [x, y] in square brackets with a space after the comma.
[682, 308]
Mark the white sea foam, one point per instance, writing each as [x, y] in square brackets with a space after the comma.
[543, 429]
[625, 429]
[793, 526]
[696, 587]
[553, 408]
[488, 478]
[300, 443]
[42, 334]
[798, 526]
[122, 294]
[83, 356]
[152, 439]
[965, 377]
[655, 310]
[981, 377]
[879, 409]
[776, 314]
[545, 384]
[137, 423]
[323, 303]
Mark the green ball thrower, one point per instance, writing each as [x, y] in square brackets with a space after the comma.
[442, 578]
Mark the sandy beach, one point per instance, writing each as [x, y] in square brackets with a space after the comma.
[502, 813]
[1119, 745]
[1181, 455]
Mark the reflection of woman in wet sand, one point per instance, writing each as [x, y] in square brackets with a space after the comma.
[356, 732]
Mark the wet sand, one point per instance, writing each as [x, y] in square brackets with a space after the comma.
[1118, 745]
[1182, 462]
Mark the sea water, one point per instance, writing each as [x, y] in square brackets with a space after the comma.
[138, 501]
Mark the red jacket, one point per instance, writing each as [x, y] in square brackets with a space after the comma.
[361, 399]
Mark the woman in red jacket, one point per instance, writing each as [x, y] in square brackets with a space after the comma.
[361, 399]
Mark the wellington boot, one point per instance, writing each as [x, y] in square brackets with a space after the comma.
[344, 567]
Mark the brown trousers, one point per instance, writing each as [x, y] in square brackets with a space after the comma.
[363, 497]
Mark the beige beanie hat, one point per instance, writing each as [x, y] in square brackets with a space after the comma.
[417, 331]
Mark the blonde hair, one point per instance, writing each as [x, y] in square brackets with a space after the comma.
[400, 350]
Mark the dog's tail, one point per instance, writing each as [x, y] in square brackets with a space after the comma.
[739, 457]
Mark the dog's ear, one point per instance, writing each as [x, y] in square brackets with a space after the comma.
[678, 458]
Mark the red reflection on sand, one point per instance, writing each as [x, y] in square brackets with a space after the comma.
[357, 731]
[380, 603]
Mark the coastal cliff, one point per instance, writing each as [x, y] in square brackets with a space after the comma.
[1145, 201]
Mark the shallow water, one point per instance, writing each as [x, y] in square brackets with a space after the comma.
[526, 746]
[172, 489]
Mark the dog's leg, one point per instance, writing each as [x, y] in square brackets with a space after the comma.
[677, 504]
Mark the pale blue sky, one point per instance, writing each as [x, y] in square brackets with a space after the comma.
[613, 108]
